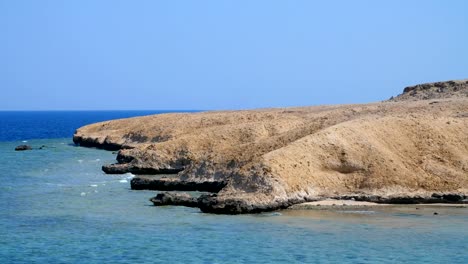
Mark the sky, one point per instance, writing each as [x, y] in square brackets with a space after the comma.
[220, 54]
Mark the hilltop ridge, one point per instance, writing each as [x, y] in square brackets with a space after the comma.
[436, 90]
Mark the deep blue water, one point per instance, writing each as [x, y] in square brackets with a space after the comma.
[21, 125]
[56, 206]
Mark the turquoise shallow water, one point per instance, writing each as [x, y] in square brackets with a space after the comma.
[56, 206]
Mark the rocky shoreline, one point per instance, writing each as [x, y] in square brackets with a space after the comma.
[410, 149]
[208, 204]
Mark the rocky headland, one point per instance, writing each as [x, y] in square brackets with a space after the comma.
[412, 148]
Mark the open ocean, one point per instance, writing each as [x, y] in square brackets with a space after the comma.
[57, 206]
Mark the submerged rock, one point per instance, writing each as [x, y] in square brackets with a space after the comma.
[23, 147]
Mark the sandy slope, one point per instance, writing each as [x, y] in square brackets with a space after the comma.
[272, 158]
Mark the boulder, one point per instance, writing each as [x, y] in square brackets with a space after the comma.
[23, 147]
[174, 198]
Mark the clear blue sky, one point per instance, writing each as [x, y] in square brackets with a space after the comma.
[224, 54]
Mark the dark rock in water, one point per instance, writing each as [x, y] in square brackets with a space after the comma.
[436, 213]
[449, 197]
[23, 147]
[115, 169]
[210, 203]
[453, 197]
[167, 198]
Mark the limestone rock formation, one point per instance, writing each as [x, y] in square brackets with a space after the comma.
[267, 159]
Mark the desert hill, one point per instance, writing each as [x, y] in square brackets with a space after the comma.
[412, 148]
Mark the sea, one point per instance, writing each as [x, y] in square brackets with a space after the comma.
[57, 206]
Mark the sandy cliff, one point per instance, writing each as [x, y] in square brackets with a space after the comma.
[412, 148]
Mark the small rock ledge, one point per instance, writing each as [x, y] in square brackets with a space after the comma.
[165, 184]
[209, 203]
[125, 168]
[178, 199]
[95, 143]
[455, 198]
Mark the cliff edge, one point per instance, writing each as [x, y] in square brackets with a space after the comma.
[405, 150]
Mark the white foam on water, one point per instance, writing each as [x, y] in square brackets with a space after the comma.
[129, 175]
[24, 141]
[55, 184]
[80, 161]
[98, 159]
[270, 214]
[83, 194]
[93, 185]
[123, 181]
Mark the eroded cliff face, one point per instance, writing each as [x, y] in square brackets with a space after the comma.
[267, 159]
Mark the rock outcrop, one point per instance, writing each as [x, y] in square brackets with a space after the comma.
[437, 90]
[23, 147]
[267, 159]
[167, 198]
